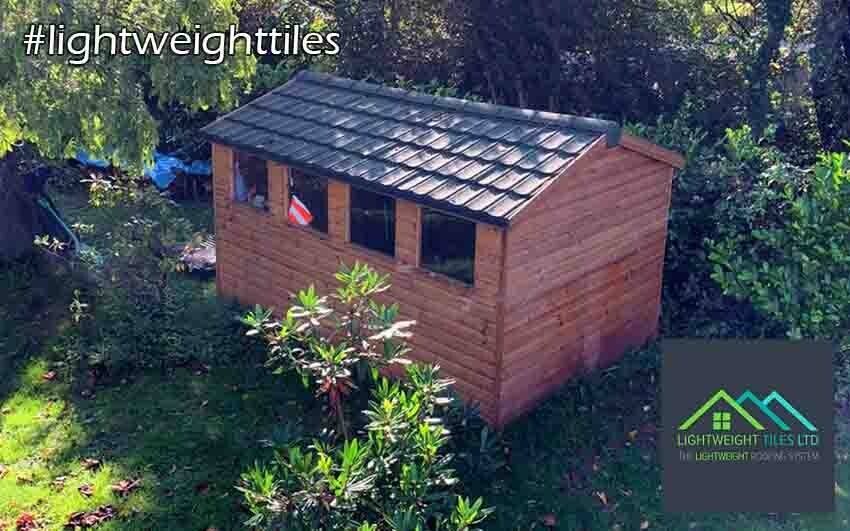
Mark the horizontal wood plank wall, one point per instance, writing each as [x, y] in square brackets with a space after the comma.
[262, 258]
[583, 273]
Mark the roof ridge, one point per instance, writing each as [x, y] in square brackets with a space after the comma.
[608, 127]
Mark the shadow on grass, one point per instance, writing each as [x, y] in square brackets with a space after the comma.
[186, 433]
[33, 306]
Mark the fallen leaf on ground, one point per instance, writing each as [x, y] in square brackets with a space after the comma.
[86, 490]
[49, 376]
[91, 518]
[550, 520]
[204, 403]
[126, 486]
[26, 522]
[90, 464]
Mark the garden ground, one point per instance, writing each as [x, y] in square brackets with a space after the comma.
[584, 460]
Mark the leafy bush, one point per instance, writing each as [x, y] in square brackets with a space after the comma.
[387, 469]
[788, 251]
[138, 312]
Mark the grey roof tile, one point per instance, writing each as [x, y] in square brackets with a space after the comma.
[413, 180]
[437, 161]
[419, 158]
[454, 166]
[476, 148]
[397, 175]
[465, 195]
[509, 179]
[531, 183]
[498, 150]
[480, 160]
[429, 185]
[447, 189]
[485, 199]
[555, 164]
[447, 140]
[472, 170]
[506, 205]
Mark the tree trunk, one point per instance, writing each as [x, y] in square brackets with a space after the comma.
[830, 79]
[20, 218]
[778, 13]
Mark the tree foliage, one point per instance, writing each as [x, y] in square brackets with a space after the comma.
[109, 106]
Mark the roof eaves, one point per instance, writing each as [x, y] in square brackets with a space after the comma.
[459, 211]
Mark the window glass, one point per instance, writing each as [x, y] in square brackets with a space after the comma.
[448, 245]
[251, 180]
[373, 220]
[308, 200]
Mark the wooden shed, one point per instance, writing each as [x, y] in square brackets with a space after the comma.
[527, 245]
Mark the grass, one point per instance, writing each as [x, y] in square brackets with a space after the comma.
[585, 460]
[186, 436]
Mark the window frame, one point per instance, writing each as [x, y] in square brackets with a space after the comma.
[236, 171]
[430, 267]
[352, 233]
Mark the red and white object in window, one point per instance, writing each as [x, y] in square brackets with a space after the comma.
[299, 213]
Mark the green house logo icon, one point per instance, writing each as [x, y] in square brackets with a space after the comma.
[722, 407]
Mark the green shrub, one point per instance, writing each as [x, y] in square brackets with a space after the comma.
[387, 469]
[788, 249]
[134, 310]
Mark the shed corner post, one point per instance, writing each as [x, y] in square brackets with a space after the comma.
[491, 244]
[222, 168]
[222, 158]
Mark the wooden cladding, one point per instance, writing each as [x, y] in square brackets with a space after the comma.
[571, 284]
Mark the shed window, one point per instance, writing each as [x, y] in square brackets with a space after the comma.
[251, 180]
[373, 221]
[310, 192]
[448, 245]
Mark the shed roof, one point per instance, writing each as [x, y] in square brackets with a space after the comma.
[480, 161]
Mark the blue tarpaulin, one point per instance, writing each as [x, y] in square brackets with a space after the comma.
[84, 159]
[163, 172]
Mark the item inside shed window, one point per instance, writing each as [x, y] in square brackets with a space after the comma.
[448, 245]
[308, 200]
[251, 180]
[373, 220]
